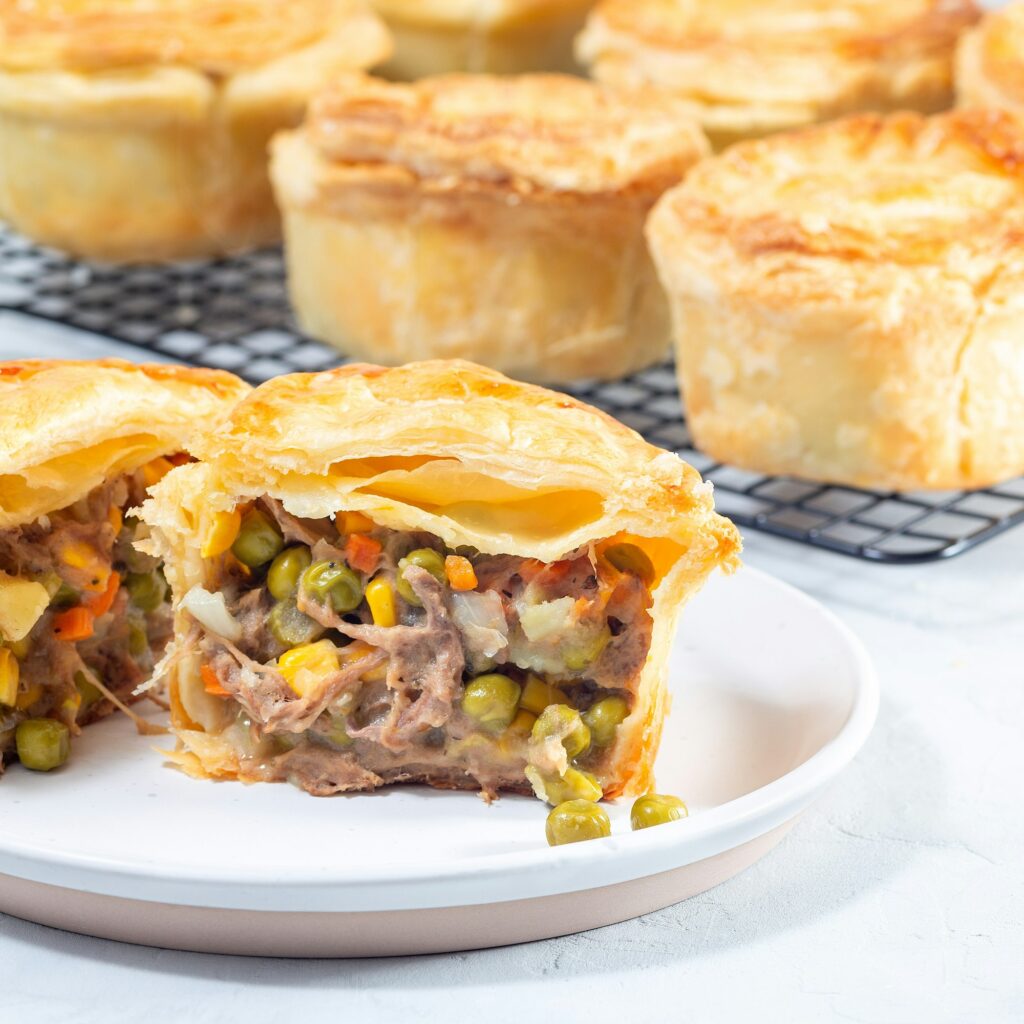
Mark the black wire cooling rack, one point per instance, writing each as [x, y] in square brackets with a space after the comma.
[234, 314]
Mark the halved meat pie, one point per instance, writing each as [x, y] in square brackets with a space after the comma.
[81, 610]
[429, 574]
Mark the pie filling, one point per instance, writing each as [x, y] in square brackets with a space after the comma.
[347, 655]
[81, 614]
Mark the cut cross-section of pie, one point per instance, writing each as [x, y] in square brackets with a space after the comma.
[428, 574]
[82, 613]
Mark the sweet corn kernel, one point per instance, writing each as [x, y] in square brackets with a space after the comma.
[305, 667]
[115, 518]
[381, 599]
[9, 672]
[522, 724]
[537, 695]
[156, 469]
[29, 696]
[353, 522]
[222, 533]
[79, 555]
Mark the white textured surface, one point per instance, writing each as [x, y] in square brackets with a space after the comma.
[898, 898]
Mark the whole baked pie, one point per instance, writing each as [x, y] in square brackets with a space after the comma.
[498, 219]
[138, 130]
[747, 68]
[497, 36]
[849, 300]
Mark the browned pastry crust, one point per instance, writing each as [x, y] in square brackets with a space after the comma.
[67, 426]
[749, 68]
[848, 300]
[990, 61]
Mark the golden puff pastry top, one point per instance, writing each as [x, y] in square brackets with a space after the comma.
[462, 452]
[837, 205]
[775, 52]
[67, 426]
[482, 14]
[552, 132]
[990, 60]
[219, 37]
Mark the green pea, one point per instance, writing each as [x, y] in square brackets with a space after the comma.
[575, 784]
[630, 558]
[576, 821]
[88, 690]
[425, 558]
[42, 743]
[584, 652]
[290, 627]
[330, 581]
[147, 590]
[258, 540]
[138, 639]
[656, 809]
[566, 723]
[492, 701]
[64, 597]
[285, 570]
[603, 718]
[50, 580]
[338, 735]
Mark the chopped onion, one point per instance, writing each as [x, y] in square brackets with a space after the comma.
[211, 611]
[539, 621]
[481, 618]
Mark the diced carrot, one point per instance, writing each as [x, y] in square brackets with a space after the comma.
[362, 552]
[74, 624]
[116, 519]
[460, 573]
[211, 684]
[100, 604]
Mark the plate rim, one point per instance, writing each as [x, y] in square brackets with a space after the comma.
[485, 878]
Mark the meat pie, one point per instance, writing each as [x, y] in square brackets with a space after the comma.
[427, 574]
[82, 612]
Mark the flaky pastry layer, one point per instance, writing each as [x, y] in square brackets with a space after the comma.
[551, 132]
[68, 427]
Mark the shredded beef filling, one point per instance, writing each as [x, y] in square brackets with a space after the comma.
[108, 616]
[385, 700]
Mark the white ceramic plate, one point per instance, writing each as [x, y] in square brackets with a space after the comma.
[773, 696]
